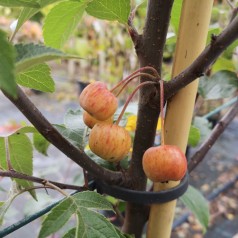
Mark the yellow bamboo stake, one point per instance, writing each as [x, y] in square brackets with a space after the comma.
[194, 23]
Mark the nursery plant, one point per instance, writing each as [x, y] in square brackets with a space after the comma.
[147, 177]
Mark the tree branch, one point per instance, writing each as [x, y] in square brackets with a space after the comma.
[18, 175]
[55, 138]
[216, 132]
[131, 29]
[204, 60]
[150, 53]
[149, 48]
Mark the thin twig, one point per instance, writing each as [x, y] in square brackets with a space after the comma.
[135, 76]
[18, 175]
[130, 97]
[216, 132]
[131, 28]
[230, 4]
[51, 185]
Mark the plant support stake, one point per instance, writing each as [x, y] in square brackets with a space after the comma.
[191, 39]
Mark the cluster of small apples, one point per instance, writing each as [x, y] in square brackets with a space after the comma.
[112, 142]
[107, 140]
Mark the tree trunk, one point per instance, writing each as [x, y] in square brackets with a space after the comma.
[149, 47]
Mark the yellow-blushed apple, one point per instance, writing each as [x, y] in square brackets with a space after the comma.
[164, 163]
[109, 141]
[98, 101]
[90, 121]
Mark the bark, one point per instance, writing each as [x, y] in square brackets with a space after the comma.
[149, 47]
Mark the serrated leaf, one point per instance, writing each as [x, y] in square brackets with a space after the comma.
[110, 10]
[29, 55]
[74, 136]
[40, 143]
[196, 202]
[21, 154]
[91, 200]
[58, 216]
[220, 85]
[61, 22]
[72, 233]
[20, 3]
[38, 77]
[7, 57]
[74, 128]
[74, 119]
[27, 13]
[92, 224]
[194, 136]
[18, 148]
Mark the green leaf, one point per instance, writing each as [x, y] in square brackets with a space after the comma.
[70, 234]
[18, 148]
[61, 22]
[213, 30]
[80, 204]
[223, 64]
[203, 126]
[27, 13]
[29, 55]
[121, 235]
[92, 200]
[58, 216]
[110, 10]
[38, 77]
[74, 128]
[20, 3]
[220, 85]
[92, 224]
[194, 136]
[102, 162]
[196, 202]
[175, 14]
[7, 57]
[40, 143]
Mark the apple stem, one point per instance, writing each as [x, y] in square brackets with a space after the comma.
[162, 110]
[135, 72]
[130, 97]
[135, 76]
